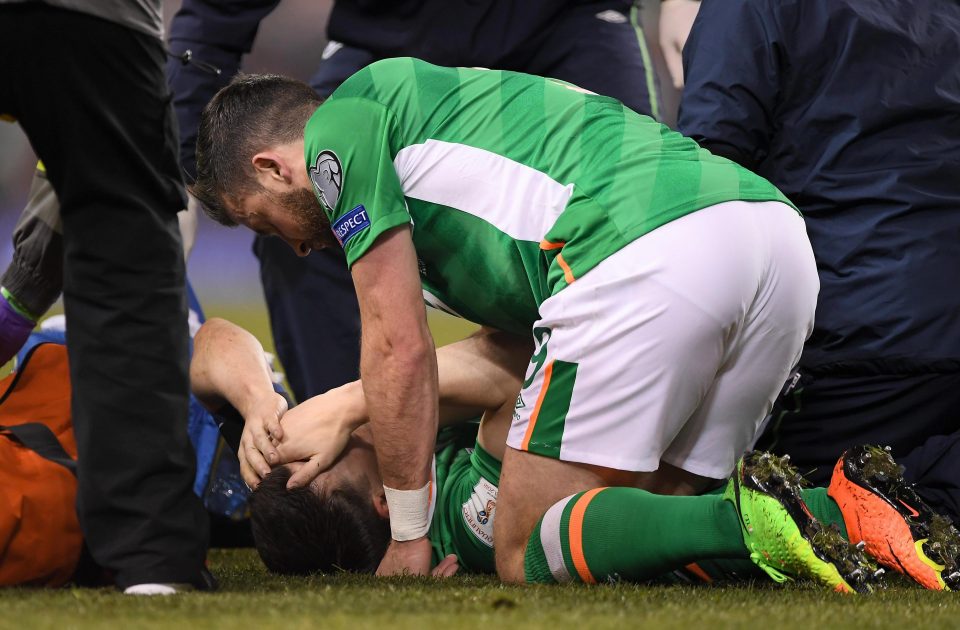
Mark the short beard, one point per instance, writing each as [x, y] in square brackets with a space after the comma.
[310, 216]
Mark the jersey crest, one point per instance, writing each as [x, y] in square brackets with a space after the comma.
[327, 177]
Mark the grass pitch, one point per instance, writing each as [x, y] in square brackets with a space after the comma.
[250, 597]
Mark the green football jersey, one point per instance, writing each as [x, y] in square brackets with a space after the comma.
[467, 480]
[514, 185]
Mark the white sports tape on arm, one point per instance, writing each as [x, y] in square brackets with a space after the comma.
[409, 512]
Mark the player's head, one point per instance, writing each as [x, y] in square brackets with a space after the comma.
[338, 522]
[250, 166]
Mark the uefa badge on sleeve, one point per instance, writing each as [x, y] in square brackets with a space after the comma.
[327, 177]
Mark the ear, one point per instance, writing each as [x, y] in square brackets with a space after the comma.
[270, 166]
[380, 503]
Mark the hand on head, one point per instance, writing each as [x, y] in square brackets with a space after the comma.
[261, 434]
[316, 431]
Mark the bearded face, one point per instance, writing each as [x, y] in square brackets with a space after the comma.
[309, 216]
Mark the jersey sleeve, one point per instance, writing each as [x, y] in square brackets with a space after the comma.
[731, 65]
[349, 145]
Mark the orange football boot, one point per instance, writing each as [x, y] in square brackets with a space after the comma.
[896, 526]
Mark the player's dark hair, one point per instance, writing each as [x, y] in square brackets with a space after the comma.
[297, 532]
[252, 113]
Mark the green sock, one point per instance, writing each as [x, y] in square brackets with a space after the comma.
[626, 533]
[821, 505]
[824, 508]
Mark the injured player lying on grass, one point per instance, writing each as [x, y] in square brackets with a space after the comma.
[311, 518]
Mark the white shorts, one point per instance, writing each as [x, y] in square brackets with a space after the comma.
[674, 348]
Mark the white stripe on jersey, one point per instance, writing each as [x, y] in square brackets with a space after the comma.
[518, 200]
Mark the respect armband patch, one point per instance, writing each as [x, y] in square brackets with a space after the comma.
[351, 224]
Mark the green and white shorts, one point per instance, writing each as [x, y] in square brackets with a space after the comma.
[674, 348]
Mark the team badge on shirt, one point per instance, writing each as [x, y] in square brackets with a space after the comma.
[327, 177]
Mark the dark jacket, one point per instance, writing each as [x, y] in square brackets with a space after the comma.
[852, 108]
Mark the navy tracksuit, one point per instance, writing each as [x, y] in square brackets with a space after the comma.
[313, 309]
[852, 108]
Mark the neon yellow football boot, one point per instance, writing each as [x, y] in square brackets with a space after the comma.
[784, 538]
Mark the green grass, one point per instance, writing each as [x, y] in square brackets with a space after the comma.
[250, 597]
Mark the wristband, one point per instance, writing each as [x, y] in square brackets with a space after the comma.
[16, 306]
[409, 512]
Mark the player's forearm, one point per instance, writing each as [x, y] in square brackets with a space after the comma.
[481, 372]
[350, 401]
[476, 374]
[228, 366]
[400, 386]
[398, 365]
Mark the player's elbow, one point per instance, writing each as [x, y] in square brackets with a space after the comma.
[409, 354]
[408, 344]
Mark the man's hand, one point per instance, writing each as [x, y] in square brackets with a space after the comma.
[318, 429]
[228, 367]
[261, 433]
[676, 19]
[411, 557]
[447, 567]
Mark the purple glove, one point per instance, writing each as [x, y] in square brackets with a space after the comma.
[14, 330]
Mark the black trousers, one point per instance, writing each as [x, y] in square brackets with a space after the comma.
[92, 98]
[314, 315]
[917, 415]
